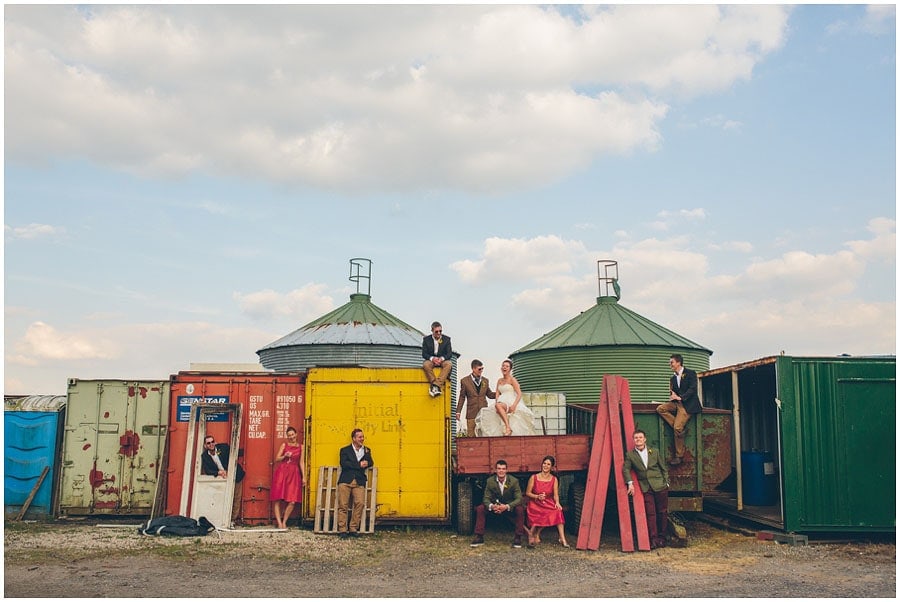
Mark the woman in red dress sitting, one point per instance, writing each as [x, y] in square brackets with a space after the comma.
[544, 509]
[287, 482]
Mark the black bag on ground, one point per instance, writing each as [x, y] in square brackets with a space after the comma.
[179, 526]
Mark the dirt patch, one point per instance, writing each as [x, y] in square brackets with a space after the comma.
[65, 560]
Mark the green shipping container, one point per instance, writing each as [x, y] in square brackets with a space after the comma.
[816, 437]
[115, 434]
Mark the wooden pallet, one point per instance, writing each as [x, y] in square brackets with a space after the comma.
[608, 453]
[327, 501]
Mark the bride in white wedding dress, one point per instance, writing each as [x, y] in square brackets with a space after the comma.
[508, 415]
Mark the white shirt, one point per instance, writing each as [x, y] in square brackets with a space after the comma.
[645, 457]
[436, 345]
[215, 457]
[360, 452]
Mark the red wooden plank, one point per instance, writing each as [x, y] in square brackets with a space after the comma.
[640, 513]
[596, 526]
[615, 384]
[601, 427]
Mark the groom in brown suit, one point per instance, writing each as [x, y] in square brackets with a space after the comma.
[474, 389]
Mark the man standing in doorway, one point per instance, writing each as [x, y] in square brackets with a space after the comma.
[355, 459]
[683, 403]
[214, 463]
[437, 353]
[474, 391]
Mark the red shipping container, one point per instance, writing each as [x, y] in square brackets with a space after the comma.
[270, 402]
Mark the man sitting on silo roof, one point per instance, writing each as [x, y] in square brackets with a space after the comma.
[437, 353]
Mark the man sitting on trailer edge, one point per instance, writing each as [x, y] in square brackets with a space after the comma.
[683, 403]
[502, 497]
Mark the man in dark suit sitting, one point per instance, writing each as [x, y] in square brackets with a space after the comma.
[437, 353]
[502, 497]
[214, 463]
[683, 403]
[355, 459]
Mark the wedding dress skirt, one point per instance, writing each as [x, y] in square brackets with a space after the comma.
[489, 424]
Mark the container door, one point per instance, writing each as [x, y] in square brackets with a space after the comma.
[203, 495]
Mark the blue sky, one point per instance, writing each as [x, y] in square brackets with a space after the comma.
[187, 183]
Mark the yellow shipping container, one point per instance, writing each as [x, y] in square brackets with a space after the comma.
[407, 430]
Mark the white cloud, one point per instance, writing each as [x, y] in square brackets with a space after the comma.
[698, 213]
[482, 98]
[43, 353]
[33, 231]
[43, 342]
[805, 303]
[298, 305]
[883, 246]
[878, 19]
[722, 122]
[517, 259]
[741, 246]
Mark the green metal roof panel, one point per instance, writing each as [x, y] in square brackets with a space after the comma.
[610, 324]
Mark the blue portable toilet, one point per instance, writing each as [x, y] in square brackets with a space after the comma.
[32, 437]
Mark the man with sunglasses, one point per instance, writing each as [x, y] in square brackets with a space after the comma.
[214, 463]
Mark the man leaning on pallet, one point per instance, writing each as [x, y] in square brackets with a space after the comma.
[355, 459]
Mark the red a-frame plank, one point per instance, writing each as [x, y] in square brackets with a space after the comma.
[596, 525]
[601, 428]
[640, 513]
[613, 385]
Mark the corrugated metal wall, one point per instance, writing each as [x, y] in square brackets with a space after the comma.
[578, 371]
[839, 443]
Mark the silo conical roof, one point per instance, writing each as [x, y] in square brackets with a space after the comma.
[357, 322]
[610, 324]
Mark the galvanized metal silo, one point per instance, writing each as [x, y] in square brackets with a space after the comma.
[359, 333]
[606, 339]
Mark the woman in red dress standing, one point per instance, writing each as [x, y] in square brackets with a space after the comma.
[287, 482]
[544, 509]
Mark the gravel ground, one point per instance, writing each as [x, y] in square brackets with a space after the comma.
[83, 560]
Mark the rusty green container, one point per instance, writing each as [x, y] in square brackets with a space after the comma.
[708, 441]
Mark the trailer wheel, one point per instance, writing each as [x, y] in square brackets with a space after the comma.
[464, 509]
[576, 503]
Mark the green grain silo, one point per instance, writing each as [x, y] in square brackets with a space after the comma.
[606, 339]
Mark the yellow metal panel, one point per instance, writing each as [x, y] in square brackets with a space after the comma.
[406, 429]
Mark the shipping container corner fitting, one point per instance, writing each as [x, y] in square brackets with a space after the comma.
[802, 427]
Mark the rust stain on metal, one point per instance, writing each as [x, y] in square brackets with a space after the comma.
[97, 478]
[129, 443]
[106, 505]
[86, 447]
[717, 442]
